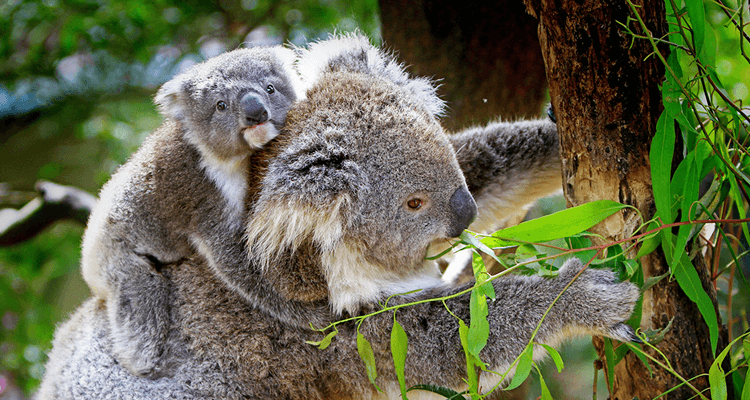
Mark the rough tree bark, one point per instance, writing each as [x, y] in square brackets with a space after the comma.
[607, 100]
[487, 57]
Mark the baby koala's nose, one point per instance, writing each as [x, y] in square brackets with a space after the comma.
[254, 110]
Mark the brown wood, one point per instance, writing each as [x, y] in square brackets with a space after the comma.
[486, 57]
[607, 100]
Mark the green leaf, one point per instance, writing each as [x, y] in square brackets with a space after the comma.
[689, 195]
[716, 376]
[546, 395]
[473, 380]
[746, 387]
[708, 54]
[554, 226]
[649, 243]
[366, 354]
[738, 200]
[687, 278]
[738, 382]
[697, 15]
[399, 345]
[581, 243]
[651, 281]
[631, 266]
[525, 362]
[555, 356]
[655, 336]
[469, 239]
[325, 342]
[481, 276]
[718, 384]
[479, 328]
[609, 354]
[662, 150]
[449, 394]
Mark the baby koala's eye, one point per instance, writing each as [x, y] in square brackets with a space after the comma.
[270, 89]
[415, 203]
[221, 105]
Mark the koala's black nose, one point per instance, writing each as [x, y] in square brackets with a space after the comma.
[254, 109]
[464, 211]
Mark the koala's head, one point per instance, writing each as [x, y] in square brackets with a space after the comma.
[234, 102]
[365, 173]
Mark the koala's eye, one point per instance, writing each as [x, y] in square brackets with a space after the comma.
[415, 203]
[270, 89]
[221, 106]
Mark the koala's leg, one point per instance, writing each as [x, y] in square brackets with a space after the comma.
[594, 304]
[507, 166]
[138, 309]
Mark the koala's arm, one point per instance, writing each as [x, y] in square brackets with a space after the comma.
[507, 166]
[594, 304]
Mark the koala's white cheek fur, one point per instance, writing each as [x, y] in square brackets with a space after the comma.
[353, 281]
[259, 135]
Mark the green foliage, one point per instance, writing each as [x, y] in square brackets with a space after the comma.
[366, 354]
[399, 345]
[31, 274]
[713, 130]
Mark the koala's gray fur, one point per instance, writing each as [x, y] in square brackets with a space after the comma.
[334, 230]
[183, 190]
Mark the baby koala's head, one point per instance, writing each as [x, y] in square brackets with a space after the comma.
[233, 103]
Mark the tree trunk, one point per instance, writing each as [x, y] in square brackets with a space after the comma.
[487, 58]
[606, 96]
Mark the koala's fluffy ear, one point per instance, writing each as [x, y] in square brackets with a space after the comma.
[169, 98]
[307, 194]
[354, 53]
[288, 58]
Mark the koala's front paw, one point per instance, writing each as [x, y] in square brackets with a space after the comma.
[138, 337]
[598, 303]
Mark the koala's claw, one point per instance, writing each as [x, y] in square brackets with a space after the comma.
[624, 333]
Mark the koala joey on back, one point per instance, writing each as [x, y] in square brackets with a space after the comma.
[183, 189]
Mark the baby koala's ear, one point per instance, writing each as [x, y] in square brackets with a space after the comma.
[170, 99]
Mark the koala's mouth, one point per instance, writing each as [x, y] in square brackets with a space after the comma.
[257, 136]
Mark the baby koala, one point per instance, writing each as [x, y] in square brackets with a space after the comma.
[183, 191]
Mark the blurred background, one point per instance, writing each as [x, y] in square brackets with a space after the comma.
[76, 82]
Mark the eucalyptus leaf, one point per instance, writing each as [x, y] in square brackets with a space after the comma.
[323, 344]
[546, 395]
[687, 277]
[649, 244]
[366, 354]
[653, 280]
[698, 19]
[716, 376]
[609, 354]
[449, 394]
[525, 362]
[662, 151]
[555, 226]
[399, 346]
[555, 356]
[479, 328]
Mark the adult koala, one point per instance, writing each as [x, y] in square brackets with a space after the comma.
[346, 203]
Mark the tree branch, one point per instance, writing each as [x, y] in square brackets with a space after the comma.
[56, 202]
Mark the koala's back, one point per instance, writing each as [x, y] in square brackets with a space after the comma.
[149, 205]
[225, 349]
